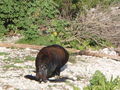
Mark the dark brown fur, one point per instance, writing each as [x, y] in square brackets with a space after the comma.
[49, 61]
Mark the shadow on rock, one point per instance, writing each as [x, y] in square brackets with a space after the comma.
[63, 68]
[30, 77]
[61, 79]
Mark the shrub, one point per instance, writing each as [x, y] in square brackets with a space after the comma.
[99, 82]
[31, 15]
[26, 14]
[17, 15]
[60, 32]
[48, 9]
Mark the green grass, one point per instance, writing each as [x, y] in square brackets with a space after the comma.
[3, 53]
[42, 40]
[11, 66]
[10, 62]
[17, 60]
[29, 58]
[7, 59]
[13, 60]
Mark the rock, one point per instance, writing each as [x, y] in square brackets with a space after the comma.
[109, 51]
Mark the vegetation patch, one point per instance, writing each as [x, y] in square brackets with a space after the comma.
[11, 66]
[46, 22]
[29, 58]
[99, 82]
[13, 60]
[3, 53]
[41, 40]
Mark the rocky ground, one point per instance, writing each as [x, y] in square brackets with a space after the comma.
[17, 71]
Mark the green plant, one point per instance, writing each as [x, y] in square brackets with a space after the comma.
[31, 34]
[99, 82]
[3, 31]
[59, 31]
[17, 15]
[3, 53]
[94, 42]
[49, 9]
[45, 15]
[25, 15]
[29, 58]
[41, 40]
